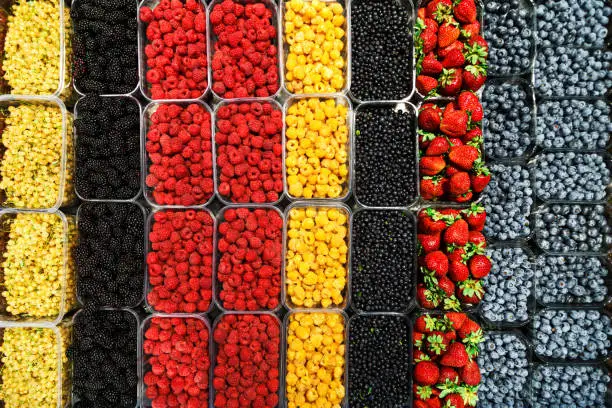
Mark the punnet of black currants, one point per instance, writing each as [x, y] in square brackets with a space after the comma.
[385, 156]
[383, 245]
[381, 49]
[107, 148]
[105, 46]
[110, 254]
[104, 357]
[379, 361]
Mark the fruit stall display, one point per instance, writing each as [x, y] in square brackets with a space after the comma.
[305, 203]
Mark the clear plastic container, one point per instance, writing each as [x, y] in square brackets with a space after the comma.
[346, 53]
[395, 106]
[340, 100]
[145, 123]
[65, 195]
[212, 42]
[143, 358]
[148, 228]
[67, 297]
[349, 219]
[142, 58]
[277, 107]
[144, 211]
[142, 152]
[220, 218]
[408, 5]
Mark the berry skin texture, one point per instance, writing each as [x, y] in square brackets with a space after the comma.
[578, 385]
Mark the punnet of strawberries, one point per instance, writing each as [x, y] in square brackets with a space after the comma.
[451, 165]
[452, 262]
[446, 372]
[450, 52]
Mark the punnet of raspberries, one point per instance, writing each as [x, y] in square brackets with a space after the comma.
[450, 52]
[451, 164]
[175, 50]
[179, 155]
[250, 245]
[245, 49]
[445, 349]
[451, 257]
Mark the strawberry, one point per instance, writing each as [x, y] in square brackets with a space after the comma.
[431, 165]
[481, 178]
[447, 373]
[477, 50]
[463, 198]
[429, 242]
[474, 77]
[478, 239]
[429, 39]
[436, 262]
[468, 101]
[480, 266]
[446, 285]
[469, 327]
[432, 188]
[458, 271]
[434, 402]
[431, 220]
[431, 24]
[418, 355]
[436, 344]
[457, 233]
[457, 319]
[426, 373]
[427, 298]
[456, 356]
[454, 123]
[455, 253]
[465, 11]
[454, 141]
[470, 30]
[457, 45]
[426, 84]
[421, 14]
[470, 373]
[463, 156]
[417, 339]
[452, 213]
[420, 404]
[425, 323]
[431, 66]
[459, 183]
[425, 138]
[435, 6]
[430, 117]
[448, 33]
[453, 401]
[438, 147]
[453, 59]
[474, 137]
[470, 291]
[475, 216]
[451, 81]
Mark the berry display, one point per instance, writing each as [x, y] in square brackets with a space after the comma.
[248, 140]
[571, 176]
[451, 166]
[508, 126]
[509, 30]
[245, 49]
[110, 254]
[176, 369]
[562, 124]
[508, 199]
[445, 351]
[451, 257]
[385, 151]
[179, 155]
[104, 358]
[381, 49]
[451, 53]
[379, 349]
[250, 247]
[175, 50]
[579, 334]
[105, 46]
[505, 371]
[570, 279]
[383, 243]
[509, 294]
[563, 228]
[569, 386]
[180, 261]
[568, 72]
[107, 139]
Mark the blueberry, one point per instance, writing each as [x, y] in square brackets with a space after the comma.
[583, 386]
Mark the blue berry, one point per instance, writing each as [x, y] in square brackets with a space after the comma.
[564, 386]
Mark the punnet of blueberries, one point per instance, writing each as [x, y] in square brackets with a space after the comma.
[110, 254]
[573, 23]
[509, 293]
[571, 176]
[579, 334]
[107, 148]
[504, 364]
[381, 49]
[379, 361]
[385, 156]
[508, 199]
[571, 279]
[383, 245]
[509, 29]
[508, 124]
[104, 357]
[565, 71]
[564, 228]
[573, 124]
[558, 385]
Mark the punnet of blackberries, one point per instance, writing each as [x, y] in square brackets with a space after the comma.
[107, 148]
[110, 254]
